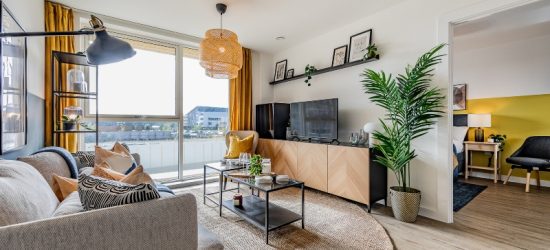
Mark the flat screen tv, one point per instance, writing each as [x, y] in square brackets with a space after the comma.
[315, 120]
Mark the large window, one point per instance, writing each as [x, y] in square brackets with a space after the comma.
[162, 105]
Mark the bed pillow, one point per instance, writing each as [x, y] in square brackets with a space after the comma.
[459, 134]
[96, 192]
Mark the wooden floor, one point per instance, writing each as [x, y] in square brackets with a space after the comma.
[501, 217]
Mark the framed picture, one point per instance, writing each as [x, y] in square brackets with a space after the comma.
[13, 84]
[290, 73]
[459, 97]
[280, 70]
[339, 56]
[358, 44]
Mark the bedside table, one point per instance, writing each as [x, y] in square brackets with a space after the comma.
[493, 147]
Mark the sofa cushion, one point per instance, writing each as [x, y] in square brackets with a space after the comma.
[63, 186]
[24, 194]
[96, 192]
[119, 158]
[70, 205]
[48, 164]
[238, 146]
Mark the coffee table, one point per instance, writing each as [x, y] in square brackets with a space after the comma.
[221, 168]
[260, 212]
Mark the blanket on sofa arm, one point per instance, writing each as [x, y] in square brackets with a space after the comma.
[66, 155]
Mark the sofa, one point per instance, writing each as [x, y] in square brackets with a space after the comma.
[30, 216]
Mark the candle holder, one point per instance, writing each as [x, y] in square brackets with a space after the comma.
[71, 117]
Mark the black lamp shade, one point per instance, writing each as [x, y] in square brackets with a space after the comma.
[107, 49]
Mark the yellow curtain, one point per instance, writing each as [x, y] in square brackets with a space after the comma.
[58, 18]
[240, 96]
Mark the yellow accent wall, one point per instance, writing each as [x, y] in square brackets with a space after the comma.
[517, 117]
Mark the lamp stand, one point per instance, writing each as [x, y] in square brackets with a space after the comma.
[479, 136]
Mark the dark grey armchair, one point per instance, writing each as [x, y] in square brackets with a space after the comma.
[533, 155]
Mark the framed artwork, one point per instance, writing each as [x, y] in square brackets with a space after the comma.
[339, 56]
[358, 44]
[290, 73]
[459, 96]
[280, 70]
[13, 84]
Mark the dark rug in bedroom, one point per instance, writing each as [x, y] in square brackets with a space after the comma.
[463, 193]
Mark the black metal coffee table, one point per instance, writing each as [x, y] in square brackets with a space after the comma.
[221, 168]
[259, 212]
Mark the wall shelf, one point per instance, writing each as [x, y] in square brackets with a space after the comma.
[328, 69]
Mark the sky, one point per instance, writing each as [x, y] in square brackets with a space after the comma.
[144, 85]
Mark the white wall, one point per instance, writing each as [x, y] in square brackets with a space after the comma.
[515, 68]
[402, 33]
[30, 14]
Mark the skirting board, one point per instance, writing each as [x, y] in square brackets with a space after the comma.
[514, 179]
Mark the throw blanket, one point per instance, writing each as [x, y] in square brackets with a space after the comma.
[68, 157]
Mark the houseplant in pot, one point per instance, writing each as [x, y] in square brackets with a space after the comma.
[412, 107]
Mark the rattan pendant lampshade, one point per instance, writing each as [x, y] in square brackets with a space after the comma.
[221, 55]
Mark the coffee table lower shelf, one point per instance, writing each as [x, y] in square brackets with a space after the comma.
[253, 210]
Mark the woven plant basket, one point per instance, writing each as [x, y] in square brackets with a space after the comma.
[405, 203]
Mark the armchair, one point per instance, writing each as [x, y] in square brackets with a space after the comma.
[533, 155]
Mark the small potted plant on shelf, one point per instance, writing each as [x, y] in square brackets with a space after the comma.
[256, 166]
[372, 51]
[412, 107]
[498, 139]
[310, 69]
[70, 122]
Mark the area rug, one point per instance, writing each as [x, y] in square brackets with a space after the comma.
[463, 193]
[330, 223]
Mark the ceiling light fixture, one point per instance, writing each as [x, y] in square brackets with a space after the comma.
[221, 55]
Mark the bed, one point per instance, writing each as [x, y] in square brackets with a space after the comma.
[459, 133]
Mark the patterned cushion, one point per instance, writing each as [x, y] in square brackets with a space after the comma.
[96, 192]
[85, 159]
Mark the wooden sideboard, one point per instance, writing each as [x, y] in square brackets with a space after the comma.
[345, 171]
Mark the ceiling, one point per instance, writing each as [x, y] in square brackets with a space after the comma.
[525, 22]
[256, 22]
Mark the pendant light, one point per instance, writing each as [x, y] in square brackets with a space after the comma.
[221, 55]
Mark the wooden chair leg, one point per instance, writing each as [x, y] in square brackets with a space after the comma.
[528, 182]
[538, 179]
[508, 176]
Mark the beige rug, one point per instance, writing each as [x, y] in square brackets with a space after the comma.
[330, 223]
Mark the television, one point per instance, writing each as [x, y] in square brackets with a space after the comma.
[314, 120]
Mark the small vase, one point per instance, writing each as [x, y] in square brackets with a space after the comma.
[69, 125]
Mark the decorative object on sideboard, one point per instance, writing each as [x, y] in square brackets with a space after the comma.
[371, 52]
[358, 43]
[459, 96]
[77, 81]
[354, 139]
[13, 83]
[221, 55]
[363, 137]
[479, 121]
[309, 71]
[410, 93]
[369, 128]
[289, 73]
[280, 70]
[339, 56]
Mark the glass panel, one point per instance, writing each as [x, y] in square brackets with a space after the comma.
[143, 85]
[156, 142]
[205, 107]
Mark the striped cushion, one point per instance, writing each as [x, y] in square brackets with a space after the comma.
[96, 192]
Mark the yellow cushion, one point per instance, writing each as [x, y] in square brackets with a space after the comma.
[63, 186]
[238, 146]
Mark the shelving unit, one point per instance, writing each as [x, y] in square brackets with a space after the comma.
[328, 69]
[61, 61]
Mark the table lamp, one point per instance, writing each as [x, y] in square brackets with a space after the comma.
[479, 121]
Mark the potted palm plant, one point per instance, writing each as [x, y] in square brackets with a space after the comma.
[413, 107]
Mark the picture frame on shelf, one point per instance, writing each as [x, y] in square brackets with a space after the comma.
[459, 96]
[280, 70]
[358, 44]
[289, 73]
[339, 56]
[13, 84]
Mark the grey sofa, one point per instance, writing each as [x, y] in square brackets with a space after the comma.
[166, 223]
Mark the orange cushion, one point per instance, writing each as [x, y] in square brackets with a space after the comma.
[137, 176]
[119, 158]
[63, 186]
[238, 146]
[104, 171]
